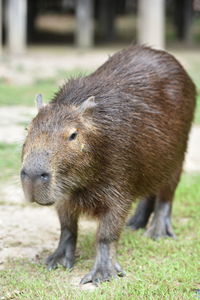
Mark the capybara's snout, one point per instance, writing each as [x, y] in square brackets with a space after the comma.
[40, 177]
[36, 179]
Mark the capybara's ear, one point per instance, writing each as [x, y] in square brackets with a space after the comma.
[39, 102]
[87, 106]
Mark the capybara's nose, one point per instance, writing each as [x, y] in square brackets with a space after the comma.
[39, 176]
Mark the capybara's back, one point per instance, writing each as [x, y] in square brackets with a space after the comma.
[144, 108]
[105, 139]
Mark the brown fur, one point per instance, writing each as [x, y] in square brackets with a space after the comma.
[130, 143]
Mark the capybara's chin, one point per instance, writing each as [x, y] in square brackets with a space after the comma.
[45, 203]
[45, 199]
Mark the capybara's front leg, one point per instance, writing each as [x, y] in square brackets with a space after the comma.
[65, 252]
[106, 265]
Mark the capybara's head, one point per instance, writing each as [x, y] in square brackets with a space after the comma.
[58, 151]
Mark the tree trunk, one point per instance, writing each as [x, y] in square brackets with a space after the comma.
[1, 26]
[84, 36]
[107, 12]
[183, 19]
[151, 19]
[16, 26]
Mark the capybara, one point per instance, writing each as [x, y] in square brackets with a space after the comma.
[105, 140]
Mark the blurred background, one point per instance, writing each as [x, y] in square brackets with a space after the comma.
[92, 23]
[45, 42]
[46, 36]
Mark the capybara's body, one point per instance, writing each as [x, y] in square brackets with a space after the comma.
[106, 139]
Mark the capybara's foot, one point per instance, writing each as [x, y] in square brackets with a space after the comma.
[56, 259]
[64, 254]
[103, 272]
[160, 227]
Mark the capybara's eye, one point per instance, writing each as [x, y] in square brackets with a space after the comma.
[73, 136]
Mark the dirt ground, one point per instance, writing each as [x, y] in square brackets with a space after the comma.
[28, 230]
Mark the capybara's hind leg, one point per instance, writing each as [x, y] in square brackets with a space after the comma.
[160, 224]
[65, 252]
[142, 213]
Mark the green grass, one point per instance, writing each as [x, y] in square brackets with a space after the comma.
[9, 161]
[164, 269]
[25, 94]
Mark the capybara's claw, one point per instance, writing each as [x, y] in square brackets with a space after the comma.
[51, 262]
[54, 260]
[160, 227]
[87, 278]
[103, 273]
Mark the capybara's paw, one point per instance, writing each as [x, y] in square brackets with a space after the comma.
[102, 273]
[160, 227]
[54, 260]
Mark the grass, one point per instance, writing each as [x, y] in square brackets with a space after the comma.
[25, 94]
[164, 269]
[9, 161]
